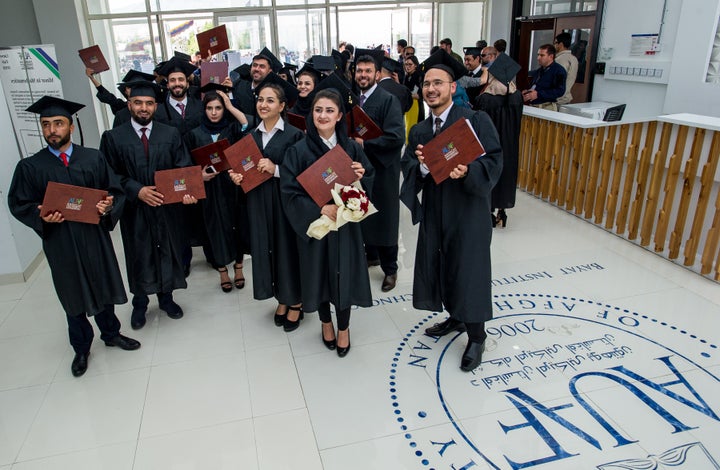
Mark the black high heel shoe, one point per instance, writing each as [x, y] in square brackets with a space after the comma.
[493, 219]
[502, 218]
[239, 280]
[226, 286]
[290, 325]
[330, 344]
[278, 319]
[342, 352]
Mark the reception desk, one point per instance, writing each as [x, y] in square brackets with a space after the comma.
[652, 181]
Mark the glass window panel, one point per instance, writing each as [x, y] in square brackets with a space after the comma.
[556, 7]
[420, 28]
[365, 28]
[180, 30]
[463, 23]
[537, 39]
[247, 35]
[97, 7]
[301, 34]
[170, 5]
[399, 25]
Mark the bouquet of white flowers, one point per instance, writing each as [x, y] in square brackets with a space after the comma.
[353, 206]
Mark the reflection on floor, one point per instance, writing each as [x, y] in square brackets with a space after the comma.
[601, 355]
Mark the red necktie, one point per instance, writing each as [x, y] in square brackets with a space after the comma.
[182, 109]
[64, 158]
[144, 141]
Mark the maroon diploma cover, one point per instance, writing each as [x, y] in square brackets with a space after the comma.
[94, 59]
[456, 145]
[176, 183]
[212, 155]
[297, 120]
[361, 125]
[75, 203]
[215, 40]
[320, 177]
[213, 72]
[243, 157]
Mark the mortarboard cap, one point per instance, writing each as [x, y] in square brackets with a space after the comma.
[290, 66]
[323, 63]
[291, 92]
[176, 65]
[182, 56]
[308, 68]
[265, 53]
[243, 71]
[391, 65]
[133, 75]
[49, 106]
[213, 87]
[504, 68]
[332, 81]
[472, 50]
[378, 55]
[443, 61]
[144, 88]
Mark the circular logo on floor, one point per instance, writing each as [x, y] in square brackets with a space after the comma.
[564, 383]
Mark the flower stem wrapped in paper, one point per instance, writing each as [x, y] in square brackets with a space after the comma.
[353, 206]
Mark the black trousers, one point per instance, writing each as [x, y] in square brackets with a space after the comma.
[141, 300]
[343, 316]
[476, 331]
[387, 256]
[81, 331]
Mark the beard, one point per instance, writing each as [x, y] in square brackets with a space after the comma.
[178, 93]
[141, 120]
[60, 143]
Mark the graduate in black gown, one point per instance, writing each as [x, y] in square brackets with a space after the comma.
[274, 250]
[81, 257]
[154, 234]
[452, 261]
[227, 232]
[334, 269]
[307, 80]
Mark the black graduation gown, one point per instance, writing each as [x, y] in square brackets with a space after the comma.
[412, 82]
[82, 260]
[224, 218]
[384, 153]
[334, 269]
[505, 111]
[121, 117]
[115, 103]
[452, 261]
[244, 98]
[273, 244]
[398, 91]
[153, 237]
[193, 113]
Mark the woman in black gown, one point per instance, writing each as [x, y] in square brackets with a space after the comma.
[273, 245]
[225, 218]
[334, 268]
[307, 80]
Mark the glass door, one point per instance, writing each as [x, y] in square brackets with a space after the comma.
[581, 45]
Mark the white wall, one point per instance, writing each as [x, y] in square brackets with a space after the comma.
[687, 35]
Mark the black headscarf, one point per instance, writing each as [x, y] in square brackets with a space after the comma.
[206, 124]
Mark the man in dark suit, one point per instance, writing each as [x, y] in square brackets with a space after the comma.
[181, 109]
[82, 260]
[380, 232]
[153, 233]
[473, 64]
[244, 90]
[388, 76]
[452, 261]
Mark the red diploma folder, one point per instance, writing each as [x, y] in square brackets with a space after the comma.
[93, 58]
[213, 72]
[361, 125]
[320, 177]
[212, 155]
[75, 203]
[456, 145]
[297, 120]
[215, 40]
[243, 157]
[176, 183]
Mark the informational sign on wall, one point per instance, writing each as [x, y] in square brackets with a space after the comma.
[27, 73]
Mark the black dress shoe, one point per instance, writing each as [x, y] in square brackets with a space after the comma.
[290, 325]
[137, 319]
[172, 309]
[123, 342]
[448, 326]
[389, 282]
[472, 357]
[79, 364]
[278, 319]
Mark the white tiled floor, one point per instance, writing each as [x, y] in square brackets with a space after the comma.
[223, 388]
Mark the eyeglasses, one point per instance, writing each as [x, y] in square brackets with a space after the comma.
[434, 83]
